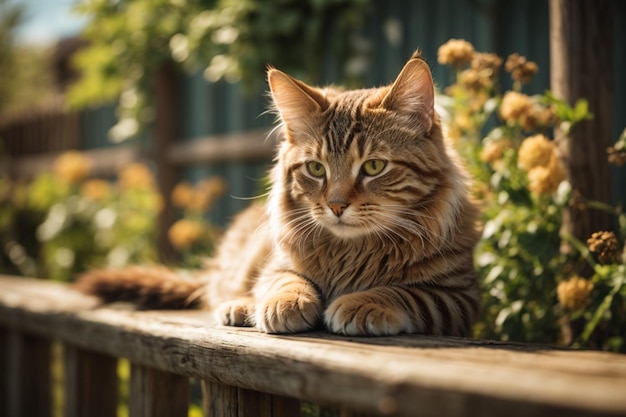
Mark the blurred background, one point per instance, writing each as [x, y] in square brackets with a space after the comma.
[133, 130]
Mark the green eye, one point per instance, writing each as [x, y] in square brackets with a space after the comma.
[316, 169]
[373, 167]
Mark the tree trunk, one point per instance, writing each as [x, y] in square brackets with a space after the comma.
[581, 45]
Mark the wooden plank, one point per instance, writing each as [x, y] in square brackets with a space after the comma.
[5, 383]
[90, 383]
[221, 400]
[445, 376]
[242, 146]
[154, 393]
[105, 161]
[28, 376]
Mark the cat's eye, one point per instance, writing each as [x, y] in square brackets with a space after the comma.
[316, 169]
[373, 167]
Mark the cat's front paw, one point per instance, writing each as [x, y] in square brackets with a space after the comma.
[361, 315]
[235, 313]
[288, 313]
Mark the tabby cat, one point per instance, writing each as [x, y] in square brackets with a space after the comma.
[368, 228]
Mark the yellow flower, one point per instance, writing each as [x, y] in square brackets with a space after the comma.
[71, 167]
[95, 189]
[184, 233]
[605, 245]
[487, 64]
[455, 52]
[494, 150]
[136, 175]
[574, 293]
[535, 151]
[520, 68]
[183, 194]
[514, 106]
[207, 191]
[546, 179]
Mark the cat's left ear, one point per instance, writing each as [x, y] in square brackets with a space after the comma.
[295, 101]
[413, 94]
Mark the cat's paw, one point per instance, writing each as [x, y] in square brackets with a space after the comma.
[359, 315]
[235, 313]
[288, 313]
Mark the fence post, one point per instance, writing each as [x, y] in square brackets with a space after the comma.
[165, 132]
[224, 401]
[581, 66]
[154, 393]
[28, 375]
[90, 383]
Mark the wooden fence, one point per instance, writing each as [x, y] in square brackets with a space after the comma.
[247, 373]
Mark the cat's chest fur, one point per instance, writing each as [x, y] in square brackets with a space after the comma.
[343, 266]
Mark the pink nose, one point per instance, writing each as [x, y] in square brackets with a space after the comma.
[338, 208]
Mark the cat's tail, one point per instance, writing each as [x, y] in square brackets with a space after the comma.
[149, 287]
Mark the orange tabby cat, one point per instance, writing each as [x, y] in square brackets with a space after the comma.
[368, 229]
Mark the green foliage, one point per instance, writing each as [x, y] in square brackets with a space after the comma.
[81, 223]
[532, 290]
[231, 39]
[22, 83]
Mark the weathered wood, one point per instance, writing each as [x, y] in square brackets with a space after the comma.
[104, 161]
[227, 401]
[90, 383]
[28, 376]
[4, 371]
[165, 130]
[348, 413]
[581, 66]
[243, 146]
[219, 400]
[154, 393]
[436, 376]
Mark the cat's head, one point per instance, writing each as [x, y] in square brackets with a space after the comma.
[358, 162]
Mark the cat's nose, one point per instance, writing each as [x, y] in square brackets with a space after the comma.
[338, 207]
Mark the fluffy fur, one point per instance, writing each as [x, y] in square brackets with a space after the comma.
[368, 229]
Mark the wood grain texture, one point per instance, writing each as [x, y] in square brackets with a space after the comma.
[90, 383]
[28, 376]
[155, 393]
[401, 376]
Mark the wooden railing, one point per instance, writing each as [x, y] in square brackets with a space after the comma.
[247, 373]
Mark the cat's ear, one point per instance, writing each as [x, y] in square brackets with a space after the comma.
[413, 94]
[295, 101]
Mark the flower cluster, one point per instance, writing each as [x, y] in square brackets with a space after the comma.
[521, 181]
[521, 110]
[455, 52]
[605, 246]
[198, 198]
[520, 68]
[574, 293]
[538, 156]
[71, 167]
[83, 222]
[617, 152]
[184, 233]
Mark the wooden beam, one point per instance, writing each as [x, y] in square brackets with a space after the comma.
[581, 66]
[28, 375]
[165, 133]
[154, 393]
[242, 146]
[444, 376]
[90, 383]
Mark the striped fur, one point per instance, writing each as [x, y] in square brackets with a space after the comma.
[355, 253]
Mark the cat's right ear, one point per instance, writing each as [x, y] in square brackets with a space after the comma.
[295, 101]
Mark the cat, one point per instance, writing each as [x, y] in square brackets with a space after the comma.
[368, 229]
